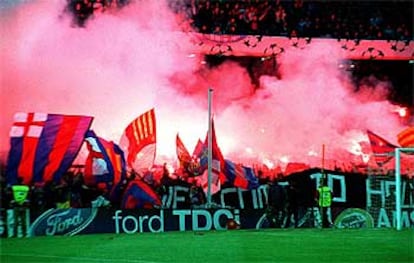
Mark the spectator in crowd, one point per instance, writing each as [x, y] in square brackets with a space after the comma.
[65, 191]
[76, 189]
[276, 206]
[20, 204]
[292, 205]
[5, 192]
[38, 201]
[324, 199]
[197, 196]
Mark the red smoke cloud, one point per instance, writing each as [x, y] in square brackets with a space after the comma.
[127, 61]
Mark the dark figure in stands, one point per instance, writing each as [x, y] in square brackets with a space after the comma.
[165, 181]
[76, 190]
[38, 198]
[197, 196]
[276, 206]
[292, 204]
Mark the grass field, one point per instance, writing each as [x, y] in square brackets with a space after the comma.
[270, 245]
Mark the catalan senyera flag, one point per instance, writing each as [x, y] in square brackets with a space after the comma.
[406, 137]
[140, 134]
[383, 150]
[43, 146]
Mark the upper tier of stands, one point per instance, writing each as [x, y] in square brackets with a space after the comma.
[299, 18]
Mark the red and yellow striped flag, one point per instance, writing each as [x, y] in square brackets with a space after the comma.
[140, 133]
[406, 137]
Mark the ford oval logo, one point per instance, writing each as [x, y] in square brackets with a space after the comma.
[67, 222]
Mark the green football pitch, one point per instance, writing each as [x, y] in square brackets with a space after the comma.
[269, 245]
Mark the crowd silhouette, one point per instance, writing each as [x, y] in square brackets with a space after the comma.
[391, 20]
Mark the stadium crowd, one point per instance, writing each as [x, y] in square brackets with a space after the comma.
[298, 18]
[73, 192]
[336, 19]
[326, 19]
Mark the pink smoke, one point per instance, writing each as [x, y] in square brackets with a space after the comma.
[127, 61]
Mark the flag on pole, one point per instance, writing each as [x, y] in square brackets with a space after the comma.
[217, 156]
[240, 176]
[383, 150]
[43, 146]
[105, 162]
[217, 165]
[139, 141]
[216, 152]
[215, 148]
[202, 181]
[406, 137]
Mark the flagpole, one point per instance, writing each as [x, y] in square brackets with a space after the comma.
[321, 208]
[323, 161]
[210, 149]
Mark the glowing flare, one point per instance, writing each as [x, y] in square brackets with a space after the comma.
[284, 159]
[403, 112]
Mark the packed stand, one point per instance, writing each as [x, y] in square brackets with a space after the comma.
[72, 192]
[336, 19]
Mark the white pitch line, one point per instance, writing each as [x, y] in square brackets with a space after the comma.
[81, 259]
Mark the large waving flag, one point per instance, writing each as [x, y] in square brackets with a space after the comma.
[295, 167]
[217, 165]
[217, 156]
[139, 141]
[138, 194]
[383, 150]
[105, 162]
[190, 165]
[198, 149]
[406, 137]
[240, 176]
[215, 148]
[43, 146]
[182, 153]
[216, 152]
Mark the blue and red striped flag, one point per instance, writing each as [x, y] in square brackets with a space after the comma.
[105, 162]
[240, 176]
[138, 194]
[43, 146]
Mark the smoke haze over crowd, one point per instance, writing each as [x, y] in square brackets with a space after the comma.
[126, 61]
